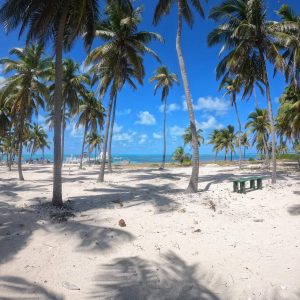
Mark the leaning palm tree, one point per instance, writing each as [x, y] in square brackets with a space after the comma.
[62, 22]
[164, 81]
[91, 115]
[248, 35]
[184, 12]
[232, 87]
[25, 89]
[188, 139]
[119, 60]
[259, 125]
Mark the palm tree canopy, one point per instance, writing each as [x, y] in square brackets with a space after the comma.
[94, 140]
[41, 19]
[37, 138]
[187, 137]
[165, 80]
[163, 8]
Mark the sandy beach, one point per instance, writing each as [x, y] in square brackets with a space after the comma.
[215, 244]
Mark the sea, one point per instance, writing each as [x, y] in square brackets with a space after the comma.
[145, 158]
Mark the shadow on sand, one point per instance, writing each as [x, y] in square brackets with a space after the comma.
[134, 278]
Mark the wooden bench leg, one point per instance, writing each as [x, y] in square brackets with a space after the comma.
[252, 184]
[235, 187]
[259, 184]
[242, 188]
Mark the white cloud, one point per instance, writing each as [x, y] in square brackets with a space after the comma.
[143, 138]
[210, 123]
[157, 135]
[117, 128]
[170, 107]
[124, 136]
[145, 118]
[124, 112]
[209, 104]
[176, 131]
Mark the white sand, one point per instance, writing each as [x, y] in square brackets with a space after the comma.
[173, 247]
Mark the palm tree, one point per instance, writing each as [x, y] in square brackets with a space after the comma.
[245, 143]
[259, 125]
[37, 139]
[91, 115]
[62, 22]
[184, 12]
[164, 81]
[214, 140]
[225, 140]
[119, 60]
[232, 87]
[289, 37]
[188, 139]
[25, 89]
[94, 140]
[246, 32]
[180, 156]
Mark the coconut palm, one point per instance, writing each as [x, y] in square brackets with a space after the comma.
[118, 60]
[232, 87]
[225, 140]
[25, 89]
[187, 137]
[91, 115]
[163, 8]
[180, 156]
[213, 140]
[245, 142]
[259, 125]
[37, 139]
[61, 22]
[164, 81]
[249, 36]
[289, 37]
[94, 140]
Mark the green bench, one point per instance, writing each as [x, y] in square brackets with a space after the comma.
[239, 184]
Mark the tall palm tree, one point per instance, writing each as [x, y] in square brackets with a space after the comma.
[248, 35]
[164, 81]
[245, 142]
[232, 87]
[62, 22]
[119, 59]
[37, 139]
[27, 87]
[163, 8]
[91, 115]
[259, 125]
[289, 37]
[94, 140]
[188, 139]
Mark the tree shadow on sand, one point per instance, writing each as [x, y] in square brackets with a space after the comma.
[294, 210]
[20, 288]
[134, 278]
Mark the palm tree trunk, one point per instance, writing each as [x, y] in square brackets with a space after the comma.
[43, 153]
[95, 155]
[107, 125]
[230, 155]
[20, 148]
[193, 184]
[111, 134]
[270, 111]
[83, 143]
[240, 130]
[63, 133]
[244, 152]
[165, 136]
[266, 152]
[57, 178]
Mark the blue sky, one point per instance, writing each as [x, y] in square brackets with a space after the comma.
[139, 119]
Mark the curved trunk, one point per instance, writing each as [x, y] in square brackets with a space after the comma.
[107, 125]
[83, 143]
[193, 184]
[57, 178]
[240, 130]
[271, 120]
[165, 137]
[111, 134]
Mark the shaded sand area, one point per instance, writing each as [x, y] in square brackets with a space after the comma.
[211, 245]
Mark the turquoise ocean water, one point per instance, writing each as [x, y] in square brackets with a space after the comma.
[145, 158]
